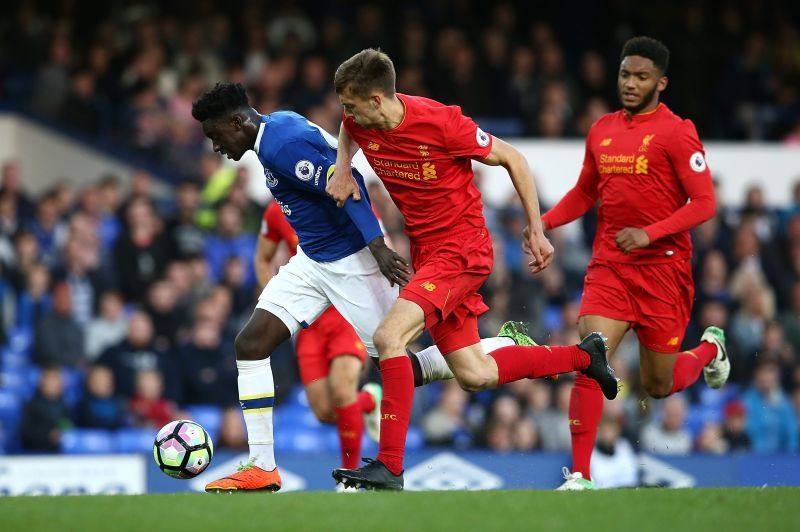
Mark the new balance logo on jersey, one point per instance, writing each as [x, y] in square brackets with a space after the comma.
[429, 286]
[673, 341]
[374, 146]
[606, 142]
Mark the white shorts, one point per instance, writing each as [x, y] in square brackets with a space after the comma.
[304, 288]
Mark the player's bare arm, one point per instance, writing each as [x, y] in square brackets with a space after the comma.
[262, 260]
[539, 247]
[342, 184]
[392, 266]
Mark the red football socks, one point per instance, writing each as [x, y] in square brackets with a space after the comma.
[689, 364]
[398, 394]
[365, 401]
[517, 362]
[350, 425]
[585, 409]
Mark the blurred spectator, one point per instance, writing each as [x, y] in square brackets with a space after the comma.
[735, 433]
[525, 435]
[45, 416]
[136, 353]
[186, 238]
[47, 227]
[230, 241]
[79, 271]
[554, 422]
[11, 188]
[208, 367]
[711, 440]
[771, 419]
[614, 463]
[59, 339]
[34, 299]
[141, 252]
[790, 320]
[109, 328]
[445, 423]
[166, 315]
[668, 436]
[232, 433]
[99, 407]
[216, 181]
[148, 406]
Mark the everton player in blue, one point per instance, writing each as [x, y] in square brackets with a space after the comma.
[341, 260]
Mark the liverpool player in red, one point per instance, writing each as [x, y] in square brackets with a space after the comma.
[329, 353]
[647, 167]
[422, 150]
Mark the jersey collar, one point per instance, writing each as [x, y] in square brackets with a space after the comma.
[258, 137]
[641, 117]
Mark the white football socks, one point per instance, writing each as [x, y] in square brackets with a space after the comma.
[435, 368]
[256, 396]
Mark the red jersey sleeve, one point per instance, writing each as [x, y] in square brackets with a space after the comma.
[271, 223]
[463, 137]
[581, 197]
[688, 159]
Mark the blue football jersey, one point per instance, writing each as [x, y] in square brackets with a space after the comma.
[298, 158]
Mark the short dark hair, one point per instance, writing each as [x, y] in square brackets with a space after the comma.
[650, 48]
[366, 71]
[224, 98]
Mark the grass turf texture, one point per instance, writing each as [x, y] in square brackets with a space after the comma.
[770, 509]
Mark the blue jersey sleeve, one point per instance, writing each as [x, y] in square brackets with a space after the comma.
[309, 168]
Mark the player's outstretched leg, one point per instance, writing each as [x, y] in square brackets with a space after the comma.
[262, 334]
[530, 361]
[710, 356]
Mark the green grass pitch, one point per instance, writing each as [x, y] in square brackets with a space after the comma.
[718, 510]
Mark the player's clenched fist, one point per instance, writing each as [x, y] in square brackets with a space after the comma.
[539, 248]
[342, 185]
[631, 238]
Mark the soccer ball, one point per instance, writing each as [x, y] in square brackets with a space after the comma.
[183, 449]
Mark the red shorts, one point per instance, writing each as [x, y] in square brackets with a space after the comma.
[655, 298]
[448, 274]
[330, 336]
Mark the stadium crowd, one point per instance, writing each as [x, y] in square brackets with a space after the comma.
[118, 306]
[125, 73]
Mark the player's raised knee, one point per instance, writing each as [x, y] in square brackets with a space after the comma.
[658, 389]
[474, 381]
[387, 343]
[248, 346]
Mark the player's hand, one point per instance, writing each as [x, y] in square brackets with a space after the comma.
[342, 185]
[539, 248]
[631, 238]
[392, 266]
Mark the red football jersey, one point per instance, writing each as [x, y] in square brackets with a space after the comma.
[275, 227]
[641, 168]
[425, 164]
